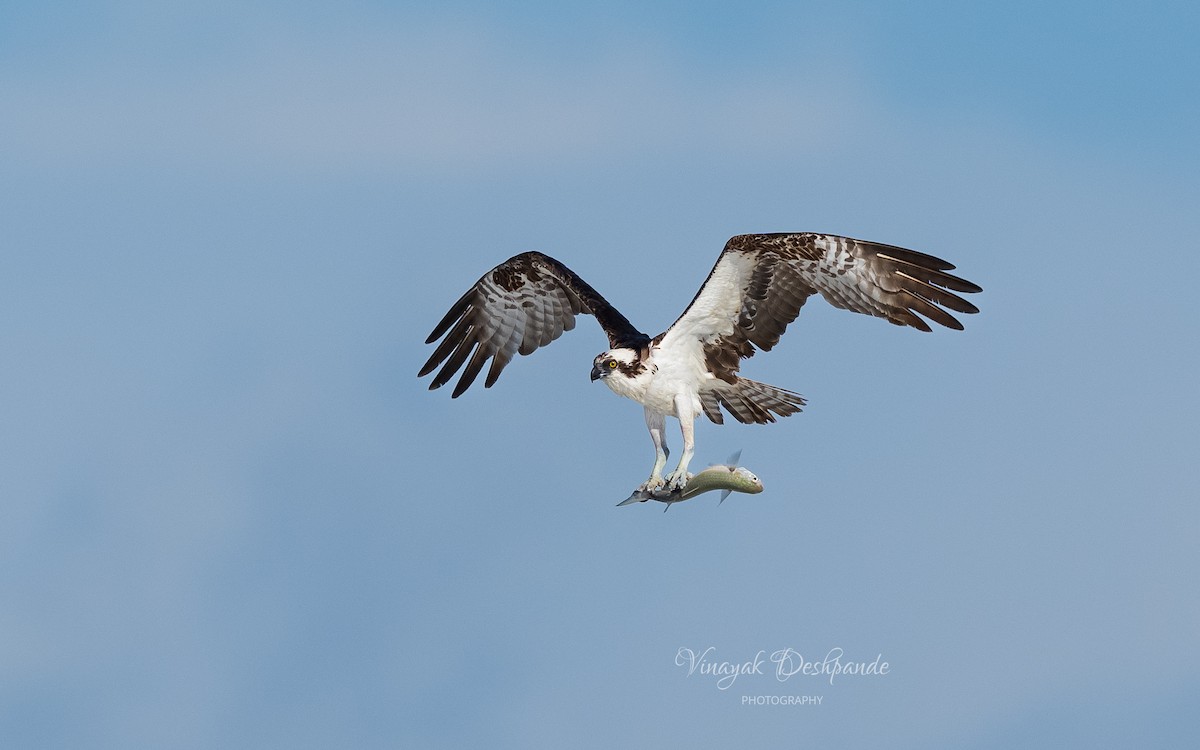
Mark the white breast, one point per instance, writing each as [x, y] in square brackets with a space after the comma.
[665, 378]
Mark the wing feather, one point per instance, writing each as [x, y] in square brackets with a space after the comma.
[473, 367]
[761, 281]
[535, 319]
[555, 317]
[456, 311]
[506, 343]
[519, 306]
[446, 347]
[461, 352]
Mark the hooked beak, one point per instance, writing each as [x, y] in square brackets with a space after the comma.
[597, 373]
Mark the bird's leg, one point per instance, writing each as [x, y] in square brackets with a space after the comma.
[656, 423]
[687, 417]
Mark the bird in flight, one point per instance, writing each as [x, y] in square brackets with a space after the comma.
[756, 288]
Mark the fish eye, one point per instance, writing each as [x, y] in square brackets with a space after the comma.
[612, 364]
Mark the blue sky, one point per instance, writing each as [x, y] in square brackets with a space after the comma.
[232, 516]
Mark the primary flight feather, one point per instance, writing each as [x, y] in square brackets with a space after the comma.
[756, 288]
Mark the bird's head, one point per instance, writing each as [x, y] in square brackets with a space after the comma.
[611, 361]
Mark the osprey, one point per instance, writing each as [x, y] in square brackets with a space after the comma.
[756, 288]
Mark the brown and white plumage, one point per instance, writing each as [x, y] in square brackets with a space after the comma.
[517, 307]
[761, 281]
[754, 291]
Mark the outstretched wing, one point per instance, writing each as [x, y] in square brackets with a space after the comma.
[522, 304]
[761, 281]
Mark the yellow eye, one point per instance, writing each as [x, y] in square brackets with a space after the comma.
[612, 364]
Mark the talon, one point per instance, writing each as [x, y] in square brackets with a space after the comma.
[652, 484]
[676, 481]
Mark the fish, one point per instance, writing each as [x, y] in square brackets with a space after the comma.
[727, 477]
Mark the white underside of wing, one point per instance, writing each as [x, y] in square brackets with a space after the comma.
[714, 311]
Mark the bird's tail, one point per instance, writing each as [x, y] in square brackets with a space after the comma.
[749, 401]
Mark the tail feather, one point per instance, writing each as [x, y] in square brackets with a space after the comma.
[749, 401]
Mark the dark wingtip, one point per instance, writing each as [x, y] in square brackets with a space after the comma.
[461, 387]
[456, 311]
[972, 287]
